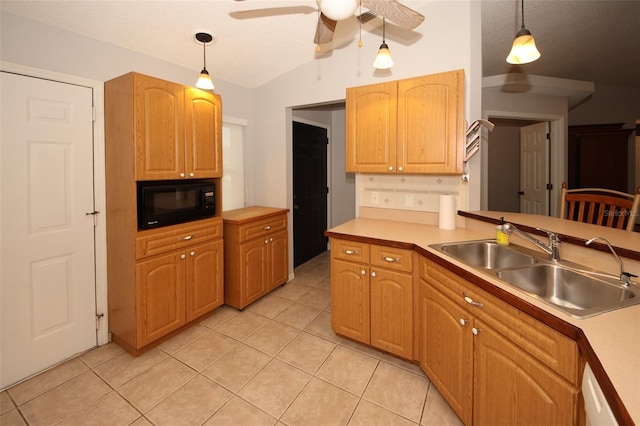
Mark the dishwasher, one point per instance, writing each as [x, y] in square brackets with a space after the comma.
[595, 404]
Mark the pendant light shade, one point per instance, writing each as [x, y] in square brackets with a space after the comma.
[383, 59]
[524, 48]
[204, 80]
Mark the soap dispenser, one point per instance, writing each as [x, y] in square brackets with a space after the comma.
[502, 238]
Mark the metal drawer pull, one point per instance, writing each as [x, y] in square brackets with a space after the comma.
[475, 331]
[463, 321]
[390, 259]
[471, 301]
[351, 252]
[363, 272]
[187, 238]
[266, 228]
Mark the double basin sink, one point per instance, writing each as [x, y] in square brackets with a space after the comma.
[569, 287]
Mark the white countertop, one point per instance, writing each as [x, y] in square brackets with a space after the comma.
[614, 336]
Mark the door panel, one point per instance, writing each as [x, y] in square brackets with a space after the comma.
[309, 192]
[47, 238]
[534, 169]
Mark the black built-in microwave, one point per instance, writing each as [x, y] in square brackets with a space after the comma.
[169, 202]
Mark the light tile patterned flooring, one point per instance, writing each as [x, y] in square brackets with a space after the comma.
[276, 363]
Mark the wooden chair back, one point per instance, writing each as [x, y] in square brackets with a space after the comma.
[599, 206]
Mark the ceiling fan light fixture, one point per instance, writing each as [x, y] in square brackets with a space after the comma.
[524, 48]
[204, 79]
[337, 9]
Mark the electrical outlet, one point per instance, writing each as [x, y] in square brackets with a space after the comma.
[408, 200]
[375, 197]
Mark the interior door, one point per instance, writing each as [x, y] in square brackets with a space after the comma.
[534, 169]
[47, 239]
[309, 191]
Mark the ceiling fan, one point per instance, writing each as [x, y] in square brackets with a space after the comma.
[332, 11]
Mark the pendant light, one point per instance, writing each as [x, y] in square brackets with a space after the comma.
[524, 48]
[383, 59]
[204, 80]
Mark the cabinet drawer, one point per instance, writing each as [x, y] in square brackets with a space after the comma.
[262, 227]
[157, 241]
[350, 250]
[553, 349]
[391, 258]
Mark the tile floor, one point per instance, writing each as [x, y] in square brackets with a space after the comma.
[276, 363]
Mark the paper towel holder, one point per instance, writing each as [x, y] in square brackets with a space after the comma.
[472, 144]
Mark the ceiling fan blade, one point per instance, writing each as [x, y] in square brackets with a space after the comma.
[324, 30]
[395, 12]
[271, 11]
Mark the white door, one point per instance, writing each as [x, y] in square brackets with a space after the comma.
[534, 169]
[47, 237]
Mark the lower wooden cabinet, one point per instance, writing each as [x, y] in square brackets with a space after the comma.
[492, 364]
[174, 276]
[372, 295]
[256, 247]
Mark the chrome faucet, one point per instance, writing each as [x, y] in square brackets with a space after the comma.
[625, 277]
[552, 249]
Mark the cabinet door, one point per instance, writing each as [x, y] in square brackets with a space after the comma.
[159, 122]
[204, 285]
[431, 123]
[253, 274]
[512, 388]
[371, 128]
[350, 300]
[446, 348]
[392, 312]
[203, 134]
[278, 259]
[160, 296]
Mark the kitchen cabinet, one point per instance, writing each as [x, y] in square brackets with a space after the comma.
[159, 280]
[412, 126]
[372, 295]
[493, 364]
[176, 130]
[173, 277]
[256, 247]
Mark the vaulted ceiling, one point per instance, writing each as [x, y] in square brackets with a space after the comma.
[258, 40]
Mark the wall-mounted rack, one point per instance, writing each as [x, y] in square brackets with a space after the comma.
[472, 145]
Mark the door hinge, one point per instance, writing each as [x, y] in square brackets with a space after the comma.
[98, 318]
[548, 136]
[327, 189]
[549, 187]
[93, 113]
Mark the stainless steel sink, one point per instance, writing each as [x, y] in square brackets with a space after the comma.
[486, 254]
[575, 292]
[572, 288]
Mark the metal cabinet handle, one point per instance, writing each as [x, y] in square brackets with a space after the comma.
[390, 168]
[363, 272]
[191, 174]
[193, 253]
[351, 252]
[400, 169]
[187, 238]
[463, 321]
[266, 241]
[471, 301]
[390, 259]
[183, 256]
[266, 228]
[373, 274]
[475, 331]
[181, 174]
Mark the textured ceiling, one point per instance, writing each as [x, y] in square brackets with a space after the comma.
[579, 39]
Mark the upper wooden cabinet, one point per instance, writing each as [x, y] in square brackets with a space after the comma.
[176, 130]
[412, 126]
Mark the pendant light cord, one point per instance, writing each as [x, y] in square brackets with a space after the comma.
[204, 48]
[522, 11]
[383, 29]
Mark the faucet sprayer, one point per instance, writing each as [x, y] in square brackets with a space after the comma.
[625, 277]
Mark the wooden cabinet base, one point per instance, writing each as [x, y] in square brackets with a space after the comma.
[137, 352]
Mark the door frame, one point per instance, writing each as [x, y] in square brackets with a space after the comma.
[100, 230]
[327, 127]
[557, 152]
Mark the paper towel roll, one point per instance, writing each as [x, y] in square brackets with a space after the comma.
[447, 215]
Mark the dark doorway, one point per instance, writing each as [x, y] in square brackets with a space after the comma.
[309, 191]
